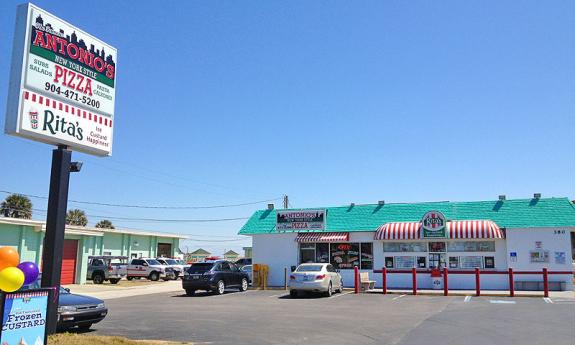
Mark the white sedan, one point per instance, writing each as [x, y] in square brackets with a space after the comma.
[317, 277]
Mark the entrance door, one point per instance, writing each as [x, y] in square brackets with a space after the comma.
[436, 260]
[69, 260]
[165, 249]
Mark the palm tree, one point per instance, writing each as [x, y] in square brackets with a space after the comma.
[105, 224]
[76, 217]
[16, 206]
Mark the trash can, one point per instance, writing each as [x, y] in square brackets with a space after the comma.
[436, 279]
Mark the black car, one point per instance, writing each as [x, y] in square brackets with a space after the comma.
[76, 310]
[214, 276]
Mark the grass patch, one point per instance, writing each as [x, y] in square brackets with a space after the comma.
[82, 339]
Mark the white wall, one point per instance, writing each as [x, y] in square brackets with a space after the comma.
[278, 251]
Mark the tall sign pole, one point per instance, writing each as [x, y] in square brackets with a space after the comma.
[55, 228]
[62, 92]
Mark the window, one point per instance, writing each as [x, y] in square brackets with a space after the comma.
[309, 268]
[108, 253]
[404, 261]
[489, 262]
[344, 255]
[436, 260]
[389, 262]
[97, 262]
[224, 266]
[367, 256]
[322, 252]
[437, 247]
[471, 246]
[234, 268]
[421, 262]
[453, 262]
[306, 253]
[471, 261]
[404, 247]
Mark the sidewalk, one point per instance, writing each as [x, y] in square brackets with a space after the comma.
[107, 292]
[488, 293]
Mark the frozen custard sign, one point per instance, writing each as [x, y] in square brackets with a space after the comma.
[433, 224]
[300, 220]
[62, 84]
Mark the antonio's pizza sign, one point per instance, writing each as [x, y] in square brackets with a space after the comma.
[62, 84]
[300, 220]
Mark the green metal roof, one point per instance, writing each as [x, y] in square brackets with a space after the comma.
[519, 213]
[200, 252]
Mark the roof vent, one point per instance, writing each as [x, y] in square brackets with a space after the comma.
[381, 202]
[502, 197]
[537, 196]
[352, 204]
[270, 206]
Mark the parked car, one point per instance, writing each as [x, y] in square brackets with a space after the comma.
[107, 268]
[214, 276]
[244, 261]
[148, 268]
[174, 265]
[76, 310]
[316, 277]
[248, 269]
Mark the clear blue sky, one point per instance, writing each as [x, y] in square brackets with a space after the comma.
[330, 102]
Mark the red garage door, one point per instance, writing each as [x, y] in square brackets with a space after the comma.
[69, 262]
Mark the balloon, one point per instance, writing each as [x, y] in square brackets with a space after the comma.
[30, 271]
[11, 279]
[8, 257]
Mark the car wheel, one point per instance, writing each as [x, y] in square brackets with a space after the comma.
[154, 276]
[85, 326]
[114, 281]
[98, 278]
[329, 291]
[129, 278]
[293, 293]
[190, 292]
[221, 287]
[244, 285]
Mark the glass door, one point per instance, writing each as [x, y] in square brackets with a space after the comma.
[436, 260]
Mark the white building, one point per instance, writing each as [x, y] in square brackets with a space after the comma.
[526, 235]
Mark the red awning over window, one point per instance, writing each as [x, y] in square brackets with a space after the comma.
[456, 229]
[313, 237]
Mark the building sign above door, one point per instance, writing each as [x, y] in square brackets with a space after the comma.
[433, 225]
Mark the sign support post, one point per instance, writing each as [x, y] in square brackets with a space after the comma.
[55, 227]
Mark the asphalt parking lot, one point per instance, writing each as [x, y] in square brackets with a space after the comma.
[271, 317]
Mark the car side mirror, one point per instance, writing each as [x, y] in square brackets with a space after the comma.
[67, 289]
[145, 264]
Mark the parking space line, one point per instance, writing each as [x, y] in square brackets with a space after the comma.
[547, 300]
[281, 294]
[467, 299]
[496, 301]
[394, 298]
[341, 294]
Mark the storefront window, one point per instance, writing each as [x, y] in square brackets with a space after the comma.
[367, 256]
[471, 246]
[436, 260]
[421, 262]
[306, 253]
[437, 247]
[489, 262]
[322, 252]
[404, 247]
[471, 261]
[404, 261]
[389, 262]
[344, 255]
[453, 262]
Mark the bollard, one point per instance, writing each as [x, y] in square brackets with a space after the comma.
[511, 283]
[356, 279]
[414, 280]
[545, 283]
[477, 283]
[445, 281]
[384, 280]
[285, 278]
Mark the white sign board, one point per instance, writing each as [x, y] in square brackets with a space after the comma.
[62, 84]
[300, 220]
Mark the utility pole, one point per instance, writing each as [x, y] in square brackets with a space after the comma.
[286, 201]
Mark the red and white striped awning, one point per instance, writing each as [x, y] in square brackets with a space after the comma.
[313, 237]
[456, 229]
[398, 231]
[474, 229]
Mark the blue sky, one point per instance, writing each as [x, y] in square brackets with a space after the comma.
[330, 102]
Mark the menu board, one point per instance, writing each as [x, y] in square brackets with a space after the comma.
[470, 261]
[404, 261]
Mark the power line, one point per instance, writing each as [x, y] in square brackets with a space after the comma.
[150, 207]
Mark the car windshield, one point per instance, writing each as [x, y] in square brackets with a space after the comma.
[247, 268]
[153, 262]
[201, 267]
[309, 268]
[171, 262]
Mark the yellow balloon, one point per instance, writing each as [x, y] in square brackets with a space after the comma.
[11, 279]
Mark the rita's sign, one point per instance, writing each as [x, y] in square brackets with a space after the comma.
[300, 220]
[62, 84]
[433, 224]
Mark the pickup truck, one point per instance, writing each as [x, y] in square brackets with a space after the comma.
[106, 268]
[176, 265]
[149, 268]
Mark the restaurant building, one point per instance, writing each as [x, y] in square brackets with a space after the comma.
[525, 234]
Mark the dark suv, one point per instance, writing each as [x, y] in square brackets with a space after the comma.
[214, 276]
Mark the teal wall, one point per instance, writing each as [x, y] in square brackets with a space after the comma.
[29, 242]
